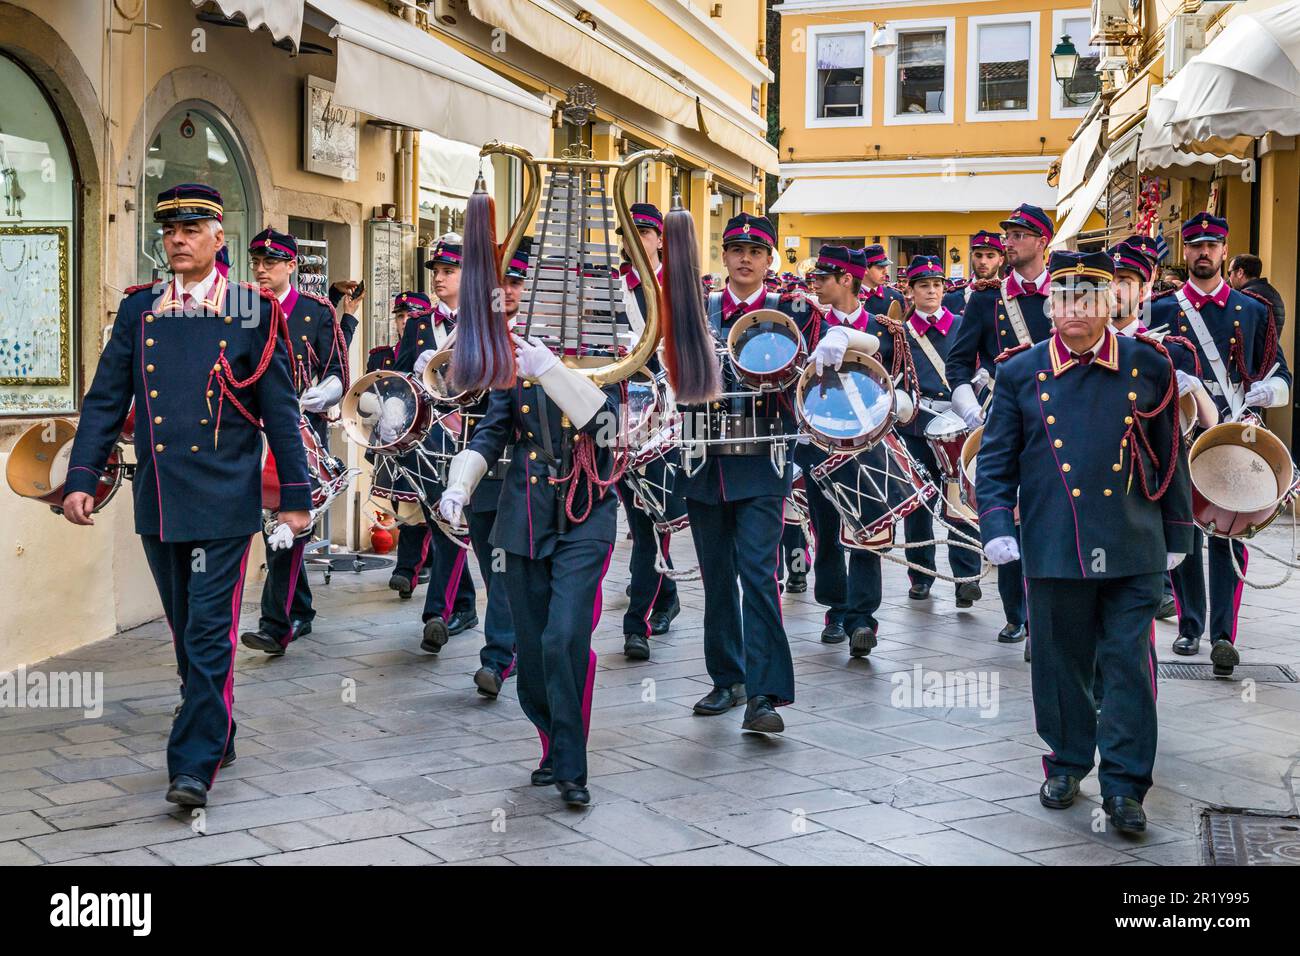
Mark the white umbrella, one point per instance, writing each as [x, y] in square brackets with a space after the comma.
[1244, 84]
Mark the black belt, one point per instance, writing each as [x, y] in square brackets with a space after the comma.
[741, 428]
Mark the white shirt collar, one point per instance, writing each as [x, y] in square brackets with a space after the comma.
[762, 291]
[287, 290]
[847, 317]
[1129, 330]
[200, 289]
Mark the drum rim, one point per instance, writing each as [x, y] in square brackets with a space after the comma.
[1210, 438]
[787, 372]
[440, 358]
[347, 418]
[826, 442]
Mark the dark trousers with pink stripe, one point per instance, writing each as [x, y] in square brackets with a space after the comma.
[498, 650]
[451, 589]
[1083, 628]
[738, 544]
[201, 584]
[286, 595]
[1189, 585]
[555, 604]
[413, 543]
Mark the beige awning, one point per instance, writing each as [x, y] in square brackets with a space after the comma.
[740, 142]
[1244, 84]
[984, 192]
[577, 46]
[1156, 154]
[282, 17]
[397, 72]
[1074, 164]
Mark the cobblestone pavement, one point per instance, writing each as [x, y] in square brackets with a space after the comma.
[412, 766]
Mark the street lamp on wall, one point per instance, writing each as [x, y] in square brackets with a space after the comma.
[1065, 64]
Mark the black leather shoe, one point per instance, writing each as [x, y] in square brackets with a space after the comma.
[1125, 814]
[488, 682]
[543, 777]
[1167, 608]
[1058, 792]
[435, 635]
[229, 758]
[574, 794]
[1026, 652]
[761, 717]
[1224, 657]
[636, 647]
[796, 582]
[862, 641]
[261, 641]
[401, 584]
[1187, 645]
[919, 591]
[660, 621]
[462, 621]
[301, 629]
[187, 791]
[720, 700]
[834, 633]
[422, 577]
[1013, 634]
[968, 594]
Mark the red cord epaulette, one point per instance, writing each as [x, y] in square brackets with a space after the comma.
[1186, 343]
[132, 289]
[1013, 350]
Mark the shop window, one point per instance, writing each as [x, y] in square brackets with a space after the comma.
[194, 144]
[38, 251]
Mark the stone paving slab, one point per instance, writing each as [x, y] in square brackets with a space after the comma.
[357, 749]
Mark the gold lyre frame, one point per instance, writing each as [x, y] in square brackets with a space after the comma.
[640, 354]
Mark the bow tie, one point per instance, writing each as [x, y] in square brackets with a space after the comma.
[1030, 288]
[1083, 359]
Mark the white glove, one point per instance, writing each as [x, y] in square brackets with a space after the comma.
[981, 379]
[1002, 550]
[322, 396]
[280, 538]
[533, 358]
[391, 419]
[423, 360]
[452, 505]
[1173, 559]
[1269, 393]
[965, 404]
[830, 350]
[1186, 383]
[903, 406]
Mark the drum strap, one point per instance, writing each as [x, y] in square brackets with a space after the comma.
[931, 353]
[1016, 316]
[1208, 348]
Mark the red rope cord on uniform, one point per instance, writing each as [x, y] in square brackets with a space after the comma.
[587, 468]
[225, 375]
[1166, 402]
[1237, 351]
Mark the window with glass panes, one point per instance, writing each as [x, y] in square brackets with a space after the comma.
[1003, 69]
[841, 63]
[922, 68]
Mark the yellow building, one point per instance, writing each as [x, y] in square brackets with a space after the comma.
[960, 120]
[1129, 143]
[355, 125]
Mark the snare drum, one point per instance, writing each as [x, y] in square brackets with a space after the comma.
[970, 450]
[645, 403]
[945, 434]
[436, 379]
[849, 408]
[766, 348]
[1242, 478]
[873, 490]
[387, 412]
[326, 474]
[37, 467]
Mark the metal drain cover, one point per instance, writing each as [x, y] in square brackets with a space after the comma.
[1261, 673]
[1232, 837]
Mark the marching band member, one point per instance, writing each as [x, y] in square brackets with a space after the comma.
[997, 318]
[931, 329]
[652, 597]
[414, 538]
[876, 293]
[736, 502]
[986, 257]
[497, 658]
[449, 601]
[206, 363]
[319, 357]
[1083, 435]
[1236, 341]
[851, 599]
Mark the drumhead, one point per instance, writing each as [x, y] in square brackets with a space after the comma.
[381, 409]
[850, 406]
[38, 463]
[642, 401]
[765, 344]
[945, 426]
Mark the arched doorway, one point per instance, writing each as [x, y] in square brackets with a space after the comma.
[195, 143]
[39, 244]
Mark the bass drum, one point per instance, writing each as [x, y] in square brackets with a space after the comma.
[387, 412]
[766, 348]
[1242, 478]
[37, 467]
[848, 409]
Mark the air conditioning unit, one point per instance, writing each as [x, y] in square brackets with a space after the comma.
[1112, 21]
[1184, 38]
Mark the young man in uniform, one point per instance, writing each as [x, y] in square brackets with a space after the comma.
[1235, 337]
[320, 376]
[202, 359]
[986, 257]
[876, 294]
